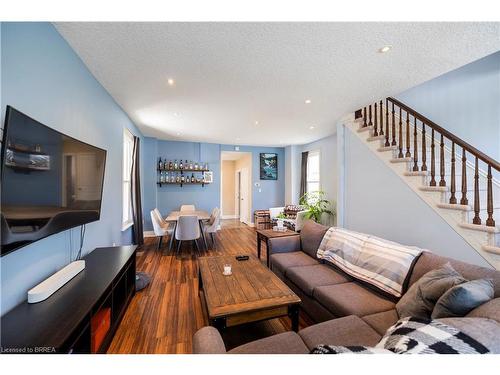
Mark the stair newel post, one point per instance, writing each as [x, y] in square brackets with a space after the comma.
[393, 143]
[424, 149]
[400, 155]
[464, 199]
[477, 219]
[442, 181]
[375, 125]
[370, 115]
[408, 153]
[381, 119]
[415, 146]
[433, 160]
[489, 207]
[364, 118]
[387, 143]
[453, 199]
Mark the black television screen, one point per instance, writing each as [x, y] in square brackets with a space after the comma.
[49, 182]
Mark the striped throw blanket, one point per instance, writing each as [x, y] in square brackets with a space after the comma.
[381, 263]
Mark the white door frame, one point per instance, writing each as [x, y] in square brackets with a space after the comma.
[246, 217]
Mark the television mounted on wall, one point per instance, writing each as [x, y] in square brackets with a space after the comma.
[50, 182]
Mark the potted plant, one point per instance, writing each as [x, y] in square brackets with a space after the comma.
[316, 205]
[279, 219]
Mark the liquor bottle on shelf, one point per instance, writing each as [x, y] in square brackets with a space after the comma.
[181, 166]
[196, 166]
[172, 177]
[166, 177]
[177, 178]
[176, 166]
[182, 179]
[191, 165]
[192, 178]
[170, 165]
[160, 164]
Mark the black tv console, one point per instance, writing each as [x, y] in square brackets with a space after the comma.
[83, 315]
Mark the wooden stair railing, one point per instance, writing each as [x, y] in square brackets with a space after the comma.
[394, 139]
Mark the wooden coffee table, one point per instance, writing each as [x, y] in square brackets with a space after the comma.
[252, 293]
[265, 235]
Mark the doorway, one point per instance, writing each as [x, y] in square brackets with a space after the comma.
[236, 186]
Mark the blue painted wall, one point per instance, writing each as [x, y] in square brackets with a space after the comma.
[169, 198]
[465, 101]
[43, 77]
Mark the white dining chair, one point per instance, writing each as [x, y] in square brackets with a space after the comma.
[212, 225]
[187, 229]
[160, 226]
[188, 207]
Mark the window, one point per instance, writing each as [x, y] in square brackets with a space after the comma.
[128, 148]
[313, 182]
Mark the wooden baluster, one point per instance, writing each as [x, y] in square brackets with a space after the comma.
[408, 153]
[381, 120]
[375, 125]
[424, 149]
[393, 143]
[400, 155]
[370, 115]
[477, 208]
[415, 146]
[387, 143]
[489, 206]
[433, 161]
[464, 199]
[453, 199]
[364, 118]
[442, 182]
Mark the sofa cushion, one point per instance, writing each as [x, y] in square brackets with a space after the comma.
[462, 299]
[351, 299]
[429, 261]
[309, 277]
[346, 331]
[490, 310]
[311, 236]
[382, 321]
[420, 299]
[283, 343]
[485, 331]
[283, 261]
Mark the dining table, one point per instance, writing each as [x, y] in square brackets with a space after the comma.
[173, 217]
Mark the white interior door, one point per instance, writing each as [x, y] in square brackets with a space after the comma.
[244, 200]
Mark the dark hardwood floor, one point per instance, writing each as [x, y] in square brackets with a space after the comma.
[164, 317]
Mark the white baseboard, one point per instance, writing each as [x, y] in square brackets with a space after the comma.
[229, 217]
[149, 233]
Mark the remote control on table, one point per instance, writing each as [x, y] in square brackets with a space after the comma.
[242, 257]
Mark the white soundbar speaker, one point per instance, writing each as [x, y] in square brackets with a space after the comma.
[47, 287]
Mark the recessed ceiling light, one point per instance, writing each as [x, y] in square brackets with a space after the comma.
[308, 101]
[178, 133]
[170, 81]
[256, 123]
[385, 49]
[311, 127]
[176, 114]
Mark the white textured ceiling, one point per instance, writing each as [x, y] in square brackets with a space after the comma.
[230, 75]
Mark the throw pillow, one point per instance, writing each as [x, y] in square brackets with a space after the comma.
[420, 299]
[463, 298]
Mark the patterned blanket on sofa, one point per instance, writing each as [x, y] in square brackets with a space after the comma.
[381, 263]
[415, 336]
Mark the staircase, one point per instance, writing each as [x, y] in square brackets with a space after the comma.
[451, 176]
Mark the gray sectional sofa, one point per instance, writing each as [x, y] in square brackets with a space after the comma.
[347, 311]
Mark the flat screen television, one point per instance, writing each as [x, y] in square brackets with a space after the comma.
[50, 182]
